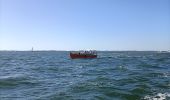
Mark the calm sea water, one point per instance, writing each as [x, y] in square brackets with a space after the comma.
[52, 75]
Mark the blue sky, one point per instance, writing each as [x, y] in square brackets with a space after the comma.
[85, 24]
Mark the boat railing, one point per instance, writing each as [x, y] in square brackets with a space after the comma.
[85, 52]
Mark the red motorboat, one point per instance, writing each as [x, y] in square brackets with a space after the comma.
[83, 54]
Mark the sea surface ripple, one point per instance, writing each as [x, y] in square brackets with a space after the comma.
[52, 75]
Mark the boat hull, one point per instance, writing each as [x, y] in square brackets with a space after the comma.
[75, 56]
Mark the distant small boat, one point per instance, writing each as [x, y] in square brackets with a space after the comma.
[32, 49]
[83, 54]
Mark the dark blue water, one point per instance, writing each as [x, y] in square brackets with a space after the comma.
[52, 75]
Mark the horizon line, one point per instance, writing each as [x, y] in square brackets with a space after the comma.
[83, 50]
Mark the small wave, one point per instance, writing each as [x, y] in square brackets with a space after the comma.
[15, 76]
[159, 96]
[123, 68]
[106, 57]
[166, 75]
[78, 67]
[159, 74]
[14, 80]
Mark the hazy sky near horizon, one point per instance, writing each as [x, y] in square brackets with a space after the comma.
[85, 24]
